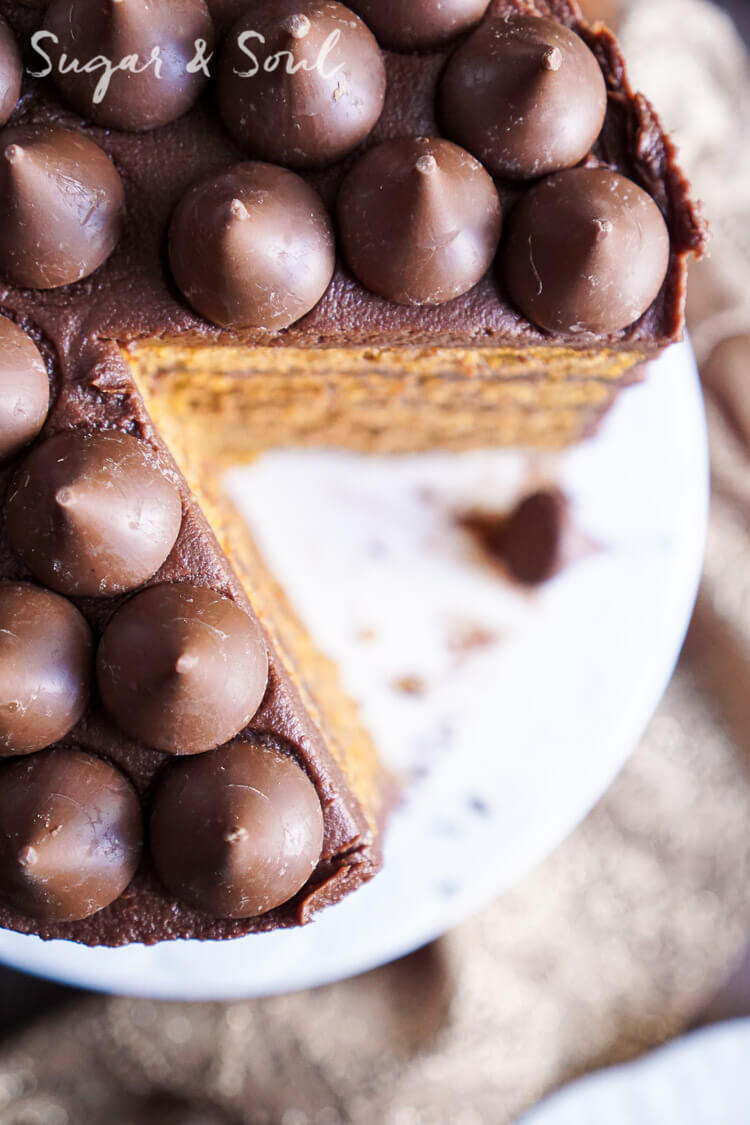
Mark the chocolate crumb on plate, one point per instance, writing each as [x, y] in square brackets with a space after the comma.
[535, 541]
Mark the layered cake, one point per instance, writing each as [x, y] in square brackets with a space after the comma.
[386, 226]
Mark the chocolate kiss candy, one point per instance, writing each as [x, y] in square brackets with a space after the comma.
[236, 832]
[93, 514]
[314, 89]
[46, 663]
[182, 668]
[586, 251]
[266, 251]
[63, 206]
[121, 29]
[11, 71]
[24, 389]
[415, 25]
[419, 220]
[70, 835]
[525, 95]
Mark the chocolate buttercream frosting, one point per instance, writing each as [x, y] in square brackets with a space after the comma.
[236, 832]
[419, 220]
[525, 95]
[310, 91]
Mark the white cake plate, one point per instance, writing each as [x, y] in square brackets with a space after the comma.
[701, 1079]
[508, 713]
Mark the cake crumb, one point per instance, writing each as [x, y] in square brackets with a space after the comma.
[479, 806]
[469, 636]
[410, 685]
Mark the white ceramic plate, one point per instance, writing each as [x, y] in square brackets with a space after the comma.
[702, 1079]
[522, 707]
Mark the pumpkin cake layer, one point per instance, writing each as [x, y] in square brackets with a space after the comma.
[374, 400]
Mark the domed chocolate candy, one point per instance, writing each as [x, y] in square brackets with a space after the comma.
[414, 25]
[70, 835]
[24, 389]
[11, 71]
[586, 251]
[525, 95]
[419, 220]
[311, 91]
[266, 251]
[46, 665]
[182, 668]
[62, 203]
[93, 514]
[154, 89]
[236, 832]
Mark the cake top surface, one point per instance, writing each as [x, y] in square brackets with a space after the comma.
[369, 98]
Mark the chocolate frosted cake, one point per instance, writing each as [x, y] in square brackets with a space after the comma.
[388, 226]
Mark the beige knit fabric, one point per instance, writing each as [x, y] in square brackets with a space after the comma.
[616, 940]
